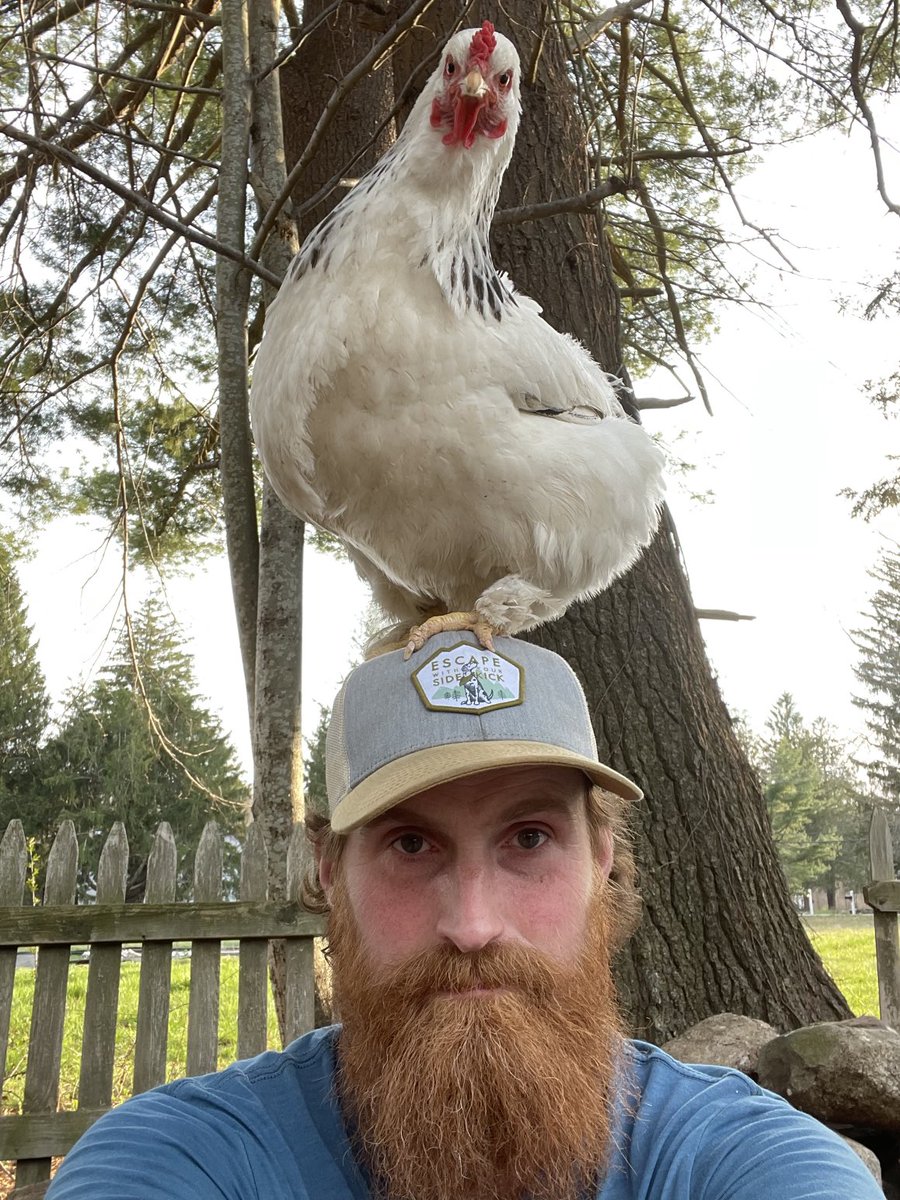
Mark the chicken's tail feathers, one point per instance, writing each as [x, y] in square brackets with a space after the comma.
[514, 604]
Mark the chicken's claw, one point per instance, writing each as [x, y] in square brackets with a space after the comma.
[445, 622]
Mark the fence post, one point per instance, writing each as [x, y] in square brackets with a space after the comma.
[13, 867]
[253, 982]
[887, 942]
[49, 1008]
[300, 985]
[98, 1042]
[203, 1007]
[152, 1037]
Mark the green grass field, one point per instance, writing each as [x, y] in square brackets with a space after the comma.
[20, 1022]
[845, 944]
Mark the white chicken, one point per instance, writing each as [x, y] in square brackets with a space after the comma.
[474, 461]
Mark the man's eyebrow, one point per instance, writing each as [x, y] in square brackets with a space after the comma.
[563, 805]
[399, 814]
[518, 810]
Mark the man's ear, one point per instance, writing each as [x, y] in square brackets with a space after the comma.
[603, 852]
[325, 867]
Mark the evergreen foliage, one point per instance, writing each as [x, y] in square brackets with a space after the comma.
[140, 746]
[885, 395]
[879, 673]
[818, 816]
[24, 704]
[314, 790]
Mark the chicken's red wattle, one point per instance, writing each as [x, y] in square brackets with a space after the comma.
[469, 118]
[465, 118]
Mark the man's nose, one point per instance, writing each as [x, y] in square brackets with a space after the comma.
[471, 915]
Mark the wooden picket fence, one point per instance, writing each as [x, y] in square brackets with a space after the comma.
[40, 1132]
[883, 895]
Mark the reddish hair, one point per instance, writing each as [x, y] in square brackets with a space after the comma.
[483, 45]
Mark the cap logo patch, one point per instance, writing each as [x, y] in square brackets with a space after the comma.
[466, 678]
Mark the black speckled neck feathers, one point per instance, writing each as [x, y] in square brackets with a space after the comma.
[434, 201]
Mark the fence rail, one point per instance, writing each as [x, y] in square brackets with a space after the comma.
[883, 894]
[40, 1132]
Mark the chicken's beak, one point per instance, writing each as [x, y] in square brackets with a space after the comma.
[474, 86]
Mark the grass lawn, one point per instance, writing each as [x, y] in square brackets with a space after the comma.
[20, 1022]
[846, 946]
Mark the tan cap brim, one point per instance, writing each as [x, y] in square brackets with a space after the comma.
[423, 769]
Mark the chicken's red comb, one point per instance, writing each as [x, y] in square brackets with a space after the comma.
[483, 45]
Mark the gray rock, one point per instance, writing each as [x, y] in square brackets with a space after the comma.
[843, 1072]
[869, 1157]
[726, 1039]
[866, 1021]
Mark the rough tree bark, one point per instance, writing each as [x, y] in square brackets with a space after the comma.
[719, 931]
[232, 299]
[308, 82]
[277, 748]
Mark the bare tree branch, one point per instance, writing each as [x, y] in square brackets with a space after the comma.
[138, 201]
[585, 35]
[720, 614]
[114, 108]
[663, 154]
[648, 402]
[587, 202]
[344, 87]
[674, 308]
[856, 60]
[147, 81]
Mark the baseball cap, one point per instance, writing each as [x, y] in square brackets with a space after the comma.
[454, 709]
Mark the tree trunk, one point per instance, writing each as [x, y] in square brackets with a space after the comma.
[277, 745]
[719, 932]
[232, 298]
[353, 139]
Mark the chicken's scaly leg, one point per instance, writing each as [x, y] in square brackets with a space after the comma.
[444, 623]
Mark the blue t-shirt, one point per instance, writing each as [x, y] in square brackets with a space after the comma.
[270, 1128]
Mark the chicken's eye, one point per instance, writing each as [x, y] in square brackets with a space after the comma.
[449, 67]
[505, 79]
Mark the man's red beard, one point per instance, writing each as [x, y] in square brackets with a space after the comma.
[477, 1097]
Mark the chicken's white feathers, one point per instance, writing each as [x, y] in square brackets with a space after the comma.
[408, 399]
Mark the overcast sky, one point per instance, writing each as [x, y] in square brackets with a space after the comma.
[790, 429]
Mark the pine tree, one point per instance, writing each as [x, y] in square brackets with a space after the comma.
[879, 673]
[818, 809]
[140, 746]
[315, 793]
[24, 703]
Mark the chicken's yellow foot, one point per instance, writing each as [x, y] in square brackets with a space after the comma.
[443, 623]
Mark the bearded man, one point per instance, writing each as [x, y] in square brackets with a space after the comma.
[478, 878]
